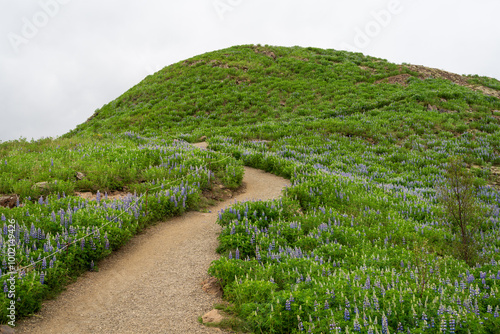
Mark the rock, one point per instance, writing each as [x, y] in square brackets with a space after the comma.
[212, 286]
[203, 138]
[86, 195]
[213, 316]
[8, 201]
[4, 329]
[41, 185]
[80, 176]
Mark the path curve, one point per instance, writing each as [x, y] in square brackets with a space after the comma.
[153, 283]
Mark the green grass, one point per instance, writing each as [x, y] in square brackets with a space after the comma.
[360, 228]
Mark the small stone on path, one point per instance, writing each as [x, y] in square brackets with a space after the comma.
[4, 329]
[213, 317]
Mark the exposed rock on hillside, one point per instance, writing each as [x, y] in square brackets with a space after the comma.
[8, 201]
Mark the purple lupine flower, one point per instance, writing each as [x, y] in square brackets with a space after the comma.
[237, 254]
[92, 265]
[367, 283]
[385, 326]
[288, 306]
[347, 315]
[82, 244]
[44, 263]
[42, 277]
[375, 302]
[5, 287]
[452, 325]
[366, 302]
[357, 326]
[443, 325]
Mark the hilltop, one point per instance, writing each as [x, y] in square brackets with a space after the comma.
[248, 85]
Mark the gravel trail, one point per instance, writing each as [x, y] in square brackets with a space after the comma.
[153, 283]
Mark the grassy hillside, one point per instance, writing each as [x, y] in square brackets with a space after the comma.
[251, 84]
[360, 242]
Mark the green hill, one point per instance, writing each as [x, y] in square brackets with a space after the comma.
[253, 84]
[360, 242]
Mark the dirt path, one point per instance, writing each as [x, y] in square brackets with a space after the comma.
[152, 284]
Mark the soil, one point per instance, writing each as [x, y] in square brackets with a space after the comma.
[112, 195]
[156, 282]
[401, 79]
[427, 72]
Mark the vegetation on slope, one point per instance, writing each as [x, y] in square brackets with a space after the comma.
[360, 242]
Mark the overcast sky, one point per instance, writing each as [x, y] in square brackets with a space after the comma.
[60, 60]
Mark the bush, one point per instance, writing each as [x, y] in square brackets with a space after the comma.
[461, 208]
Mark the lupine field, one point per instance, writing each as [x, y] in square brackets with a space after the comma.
[58, 235]
[357, 244]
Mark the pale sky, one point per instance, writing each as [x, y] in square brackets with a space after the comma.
[60, 60]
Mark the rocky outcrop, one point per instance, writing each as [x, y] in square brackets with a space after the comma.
[8, 201]
[212, 286]
[41, 185]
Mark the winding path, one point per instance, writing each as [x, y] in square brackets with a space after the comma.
[152, 284]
